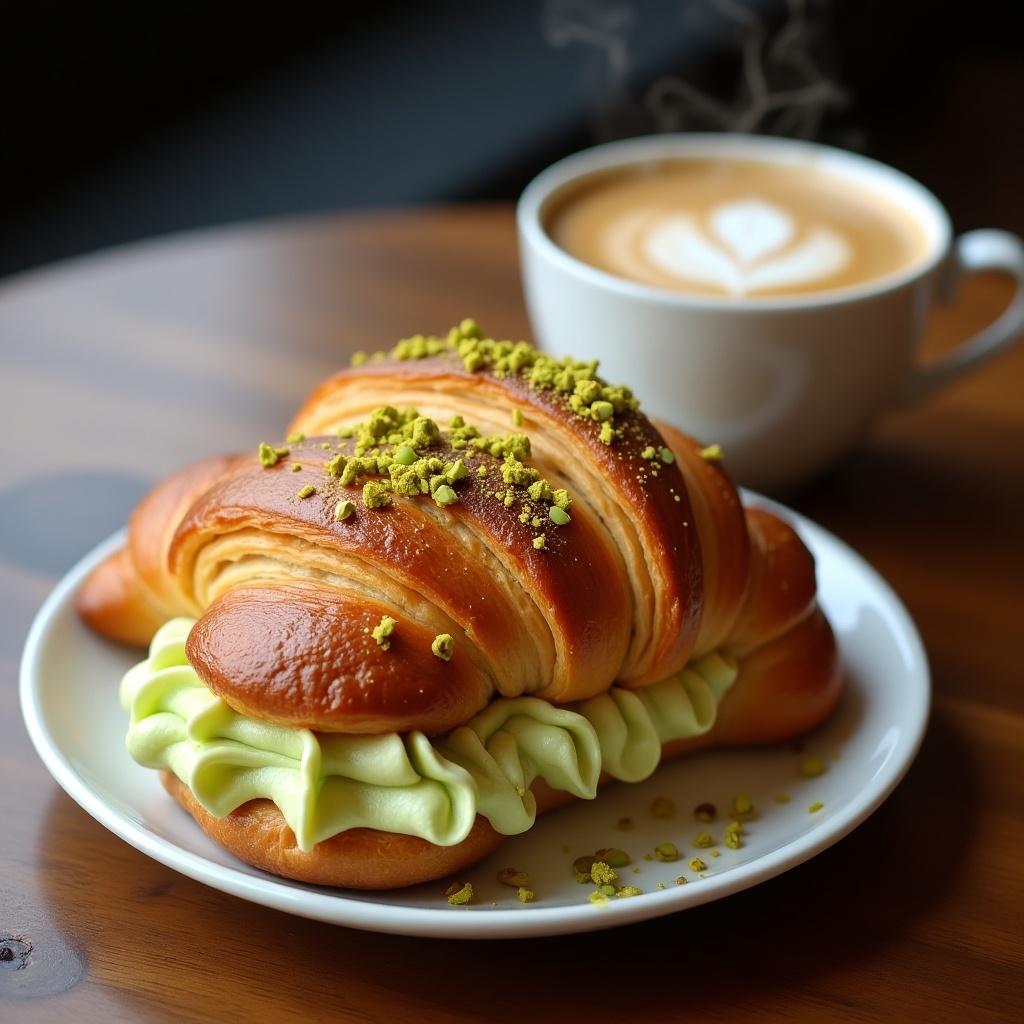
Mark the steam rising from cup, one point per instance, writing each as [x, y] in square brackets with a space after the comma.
[781, 85]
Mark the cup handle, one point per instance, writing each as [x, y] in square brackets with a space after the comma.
[985, 249]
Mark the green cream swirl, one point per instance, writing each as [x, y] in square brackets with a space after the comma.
[326, 783]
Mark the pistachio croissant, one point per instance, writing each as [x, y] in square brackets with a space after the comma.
[451, 528]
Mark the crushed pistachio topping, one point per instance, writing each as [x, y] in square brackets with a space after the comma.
[517, 418]
[713, 453]
[598, 897]
[269, 456]
[605, 861]
[540, 542]
[666, 852]
[296, 467]
[703, 840]
[815, 807]
[375, 495]
[782, 798]
[558, 516]
[663, 807]
[812, 767]
[681, 880]
[296, 437]
[445, 495]
[460, 894]
[343, 510]
[392, 448]
[704, 812]
[382, 631]
[733, 840]
[696, 864]
[525, 895]
[307, 492]
[629, 890]
[581, 868]
[742, 807]
[573, 381]
[512, 876]
[613, 857]
[443, 646]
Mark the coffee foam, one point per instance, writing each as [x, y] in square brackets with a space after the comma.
[734, 228]
[747, 246]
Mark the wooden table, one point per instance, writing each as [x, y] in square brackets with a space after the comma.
[118, 368]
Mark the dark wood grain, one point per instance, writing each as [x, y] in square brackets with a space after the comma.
[118, 368]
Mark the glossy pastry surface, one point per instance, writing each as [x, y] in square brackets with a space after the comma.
[455, 524]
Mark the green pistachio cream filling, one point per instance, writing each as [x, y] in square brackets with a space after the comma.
[432, 787]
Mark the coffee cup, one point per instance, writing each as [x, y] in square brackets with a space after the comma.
[765, 294]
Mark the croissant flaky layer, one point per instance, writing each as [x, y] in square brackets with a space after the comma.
[462, 520]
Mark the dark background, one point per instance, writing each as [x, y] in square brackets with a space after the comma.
[124, 121]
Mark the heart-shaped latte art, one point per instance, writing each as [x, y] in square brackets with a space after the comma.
[752, 246]
[751, 228]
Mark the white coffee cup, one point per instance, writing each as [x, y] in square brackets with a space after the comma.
[784, 383]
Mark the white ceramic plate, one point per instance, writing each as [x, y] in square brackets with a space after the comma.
[69, 681]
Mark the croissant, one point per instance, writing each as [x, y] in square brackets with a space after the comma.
[474, 582]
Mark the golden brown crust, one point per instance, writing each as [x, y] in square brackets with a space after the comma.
[113, 603]
[468, 570]
[782, 691]
[721, 526]
[361, 858]
[642, 503]
[781, 585]
[131, 594]
[324, 670]
[661, 563]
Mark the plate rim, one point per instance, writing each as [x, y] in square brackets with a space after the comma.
[482, 921]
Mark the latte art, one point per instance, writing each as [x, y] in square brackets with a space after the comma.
[736, 229]
[741, 247]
